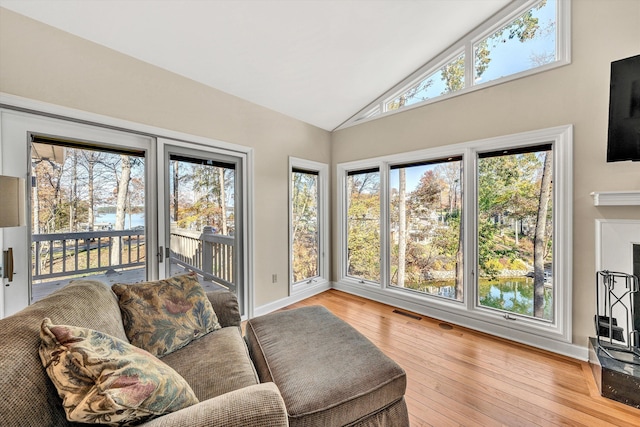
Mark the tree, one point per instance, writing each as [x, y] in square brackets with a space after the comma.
[304, 222]
[451, 175]
[121, 200]
[363, 226]
[402, 225]
[427, 192]
[525, 27]
[540, 241]
[89, 160]
[46, 199]
[176, 186]
[411, 93]
[222, 202]
[453, 75]
[73, 197]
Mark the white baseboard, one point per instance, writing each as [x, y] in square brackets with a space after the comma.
[293, 298]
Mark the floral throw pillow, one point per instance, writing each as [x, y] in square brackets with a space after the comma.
[165, 315]
[102, 379]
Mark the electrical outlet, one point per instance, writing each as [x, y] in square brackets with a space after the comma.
[274, 278]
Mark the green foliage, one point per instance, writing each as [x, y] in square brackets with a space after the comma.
[304, 221]
[487, 231]
[411, 93]
[517, 264]
[523, 28]
[492, 267]
[363, 231]
[447, 239]
[453, 75]
[427, 193]
[205, 182]
[482, 57]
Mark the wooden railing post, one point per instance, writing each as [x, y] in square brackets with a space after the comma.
[207, 251]
[209, 254]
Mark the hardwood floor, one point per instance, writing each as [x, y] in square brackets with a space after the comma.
[459, 377]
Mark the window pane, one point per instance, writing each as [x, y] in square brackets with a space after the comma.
[515, 232]
[363, 225]
[305, 226]
[449, 78]
[203, 212]
[425, 232]
[527, 42]
[88, 215]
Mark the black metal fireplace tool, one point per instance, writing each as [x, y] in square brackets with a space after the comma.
[616, 319]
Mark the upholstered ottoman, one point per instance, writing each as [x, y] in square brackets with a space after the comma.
[327, 372]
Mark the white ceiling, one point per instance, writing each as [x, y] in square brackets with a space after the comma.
[320, 61]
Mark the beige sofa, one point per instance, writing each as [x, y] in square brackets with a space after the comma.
[216, 366]
[298, 368]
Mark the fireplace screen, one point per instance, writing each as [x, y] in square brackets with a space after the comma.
[616, 319]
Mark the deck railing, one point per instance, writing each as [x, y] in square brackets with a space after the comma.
[209, 254]
[55, 255]
[67, 254]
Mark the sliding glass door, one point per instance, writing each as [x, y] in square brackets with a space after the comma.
[87, 213]
[89, 209]
[202, 216]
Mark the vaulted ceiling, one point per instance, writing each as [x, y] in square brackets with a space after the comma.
[319, 61]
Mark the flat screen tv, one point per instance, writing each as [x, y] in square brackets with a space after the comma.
[624, 111]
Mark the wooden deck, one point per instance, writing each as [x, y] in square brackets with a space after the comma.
[459, 377]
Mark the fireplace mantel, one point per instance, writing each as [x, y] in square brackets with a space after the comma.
[616, 198]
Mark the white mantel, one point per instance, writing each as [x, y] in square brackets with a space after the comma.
[616, 198]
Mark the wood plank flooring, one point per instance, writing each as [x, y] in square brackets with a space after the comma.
[459, 377]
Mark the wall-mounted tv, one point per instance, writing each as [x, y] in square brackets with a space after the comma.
[624, 111]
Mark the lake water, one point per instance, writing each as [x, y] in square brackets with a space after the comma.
[130, 221]
[514, 294]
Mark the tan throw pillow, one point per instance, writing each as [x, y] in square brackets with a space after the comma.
[102, 379]
[165, 315]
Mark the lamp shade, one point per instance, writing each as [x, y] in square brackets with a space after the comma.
[11, 201]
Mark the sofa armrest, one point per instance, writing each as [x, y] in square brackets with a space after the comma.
[256, 405]
[225, 304]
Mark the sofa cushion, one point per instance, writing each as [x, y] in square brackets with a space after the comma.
[215, 364]
[165, 315]
[104, 380]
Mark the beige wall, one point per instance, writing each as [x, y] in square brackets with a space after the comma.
[578, 94]
[45, 64]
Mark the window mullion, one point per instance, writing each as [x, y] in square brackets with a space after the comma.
[468, 65]
[469, 209]
[385, 249]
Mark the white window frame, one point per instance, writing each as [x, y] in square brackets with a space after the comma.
[342, 206]
[322, 279]
[537, 332]
[377, 108]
